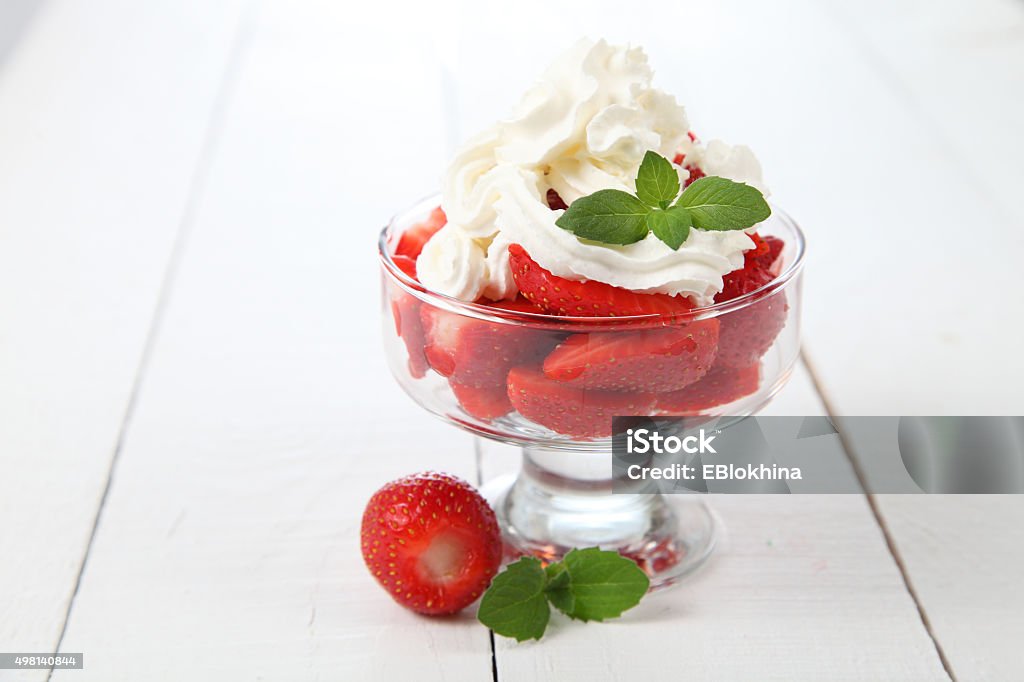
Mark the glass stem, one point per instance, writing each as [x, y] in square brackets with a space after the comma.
[562, 500]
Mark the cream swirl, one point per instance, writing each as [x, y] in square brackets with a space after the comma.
[453, 263]
[584, 127]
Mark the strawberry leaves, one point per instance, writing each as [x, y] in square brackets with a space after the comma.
[709, 203]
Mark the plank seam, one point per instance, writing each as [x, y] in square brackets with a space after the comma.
[238, 47]
[478, 456]
[890, 541]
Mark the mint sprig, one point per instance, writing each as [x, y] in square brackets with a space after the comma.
[612, 216]
[588, 584]
[657, 182]
[608, 216]
[515, 605]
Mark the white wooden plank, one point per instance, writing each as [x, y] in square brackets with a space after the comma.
[801, 588]
[957, 70]
[964, 559]
[268, 416]
[101, 127]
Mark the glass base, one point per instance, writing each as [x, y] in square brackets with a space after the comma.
[562, 499]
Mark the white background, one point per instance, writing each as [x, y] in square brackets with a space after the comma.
[194, 405]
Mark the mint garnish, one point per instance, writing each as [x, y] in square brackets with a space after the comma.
[671, 226]
[514, 605]
[608, 215]
[657, 183]
[559, 588]
[612, 216]
[604, 583]
[589, 584]
[715, 203]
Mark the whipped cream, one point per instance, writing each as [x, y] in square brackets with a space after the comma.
[584, 127]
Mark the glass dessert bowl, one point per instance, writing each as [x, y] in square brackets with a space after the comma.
[551, 383]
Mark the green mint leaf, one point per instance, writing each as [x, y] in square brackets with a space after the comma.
[608, 216]
[559, 588]
[657, 183]
[515, 604]
[671, 226]
[719, 204]
[603, 583]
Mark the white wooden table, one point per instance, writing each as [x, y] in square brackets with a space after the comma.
[194, 406]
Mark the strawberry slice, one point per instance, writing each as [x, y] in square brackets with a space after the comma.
[405, 308]
[412, 240]
[487, 402]
[431, 541]
[720, 386]
[664, 359]
[587, 298]
[520, 304]
[477, 353]
[569, 410]
[747, 334]
[406, 264]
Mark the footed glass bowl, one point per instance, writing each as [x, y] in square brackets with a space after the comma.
[525, 378]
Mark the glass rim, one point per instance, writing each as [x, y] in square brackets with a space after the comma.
[492, 314]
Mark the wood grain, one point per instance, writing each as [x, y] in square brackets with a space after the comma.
[267, 417]
[98, 155]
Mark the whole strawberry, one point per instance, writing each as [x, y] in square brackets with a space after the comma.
[431, 541]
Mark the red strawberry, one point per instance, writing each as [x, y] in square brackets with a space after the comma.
[747, 334]
[406, 264]
[412, 240]
[431, 541]
[569, 410]
[695, 174]
[476, 353]
[405, 308]
[769, 258]
[555, 202]
[760, 266]
[663, 359]
[559, 296]
[719, 386]
[520, 304]
[487, 402]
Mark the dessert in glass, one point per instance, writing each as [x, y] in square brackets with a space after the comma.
[508, 317]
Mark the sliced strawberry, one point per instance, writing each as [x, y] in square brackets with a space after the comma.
[747, 334]
[477, 353]
[555, 202]
[663, 359]
[769, 259]
[487, 402]
[695, 174]
[519, 304]
[761, 265]
[720, 386]
[412, 240]
[569, 410]
[406, 264]
[432, 542]
[587, 298]
[408, 325]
